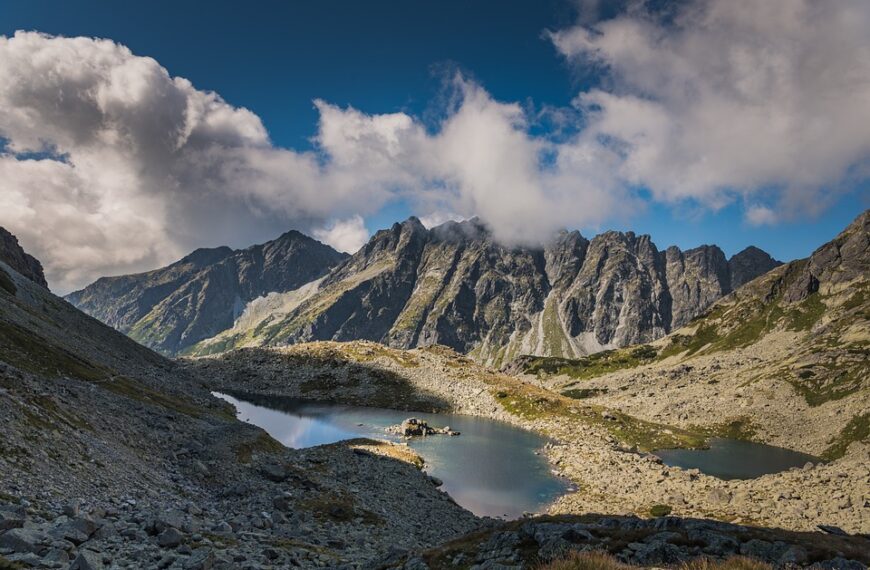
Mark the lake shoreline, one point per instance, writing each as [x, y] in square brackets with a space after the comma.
[611, 478]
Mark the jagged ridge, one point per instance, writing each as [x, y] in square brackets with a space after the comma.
[453, 285]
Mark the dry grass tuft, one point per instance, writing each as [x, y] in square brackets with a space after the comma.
[603, 561]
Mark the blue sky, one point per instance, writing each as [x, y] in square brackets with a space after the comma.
[276, 58]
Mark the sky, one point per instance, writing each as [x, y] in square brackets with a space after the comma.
[132, 133]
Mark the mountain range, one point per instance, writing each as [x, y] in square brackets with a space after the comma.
[172, 308]
[410, 286]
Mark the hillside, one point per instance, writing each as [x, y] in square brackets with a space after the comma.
[113, 456]
[454, 286]
[171, 308]
[785, 356]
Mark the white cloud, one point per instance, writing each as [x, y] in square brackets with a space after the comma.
[764, 102]
[733, 97]
[344, 235]
[439, 217]
[760, 216]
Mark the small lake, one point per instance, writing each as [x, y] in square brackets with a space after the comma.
[735, 459]
[491, 469]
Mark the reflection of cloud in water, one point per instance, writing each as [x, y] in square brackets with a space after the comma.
[490, 469]
[290, 429]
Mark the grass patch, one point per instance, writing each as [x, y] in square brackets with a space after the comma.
[263, 443]
[858, 429]
[339, 508]
[534, 403]
[829, 382]
[806, 314]
[141, 393]
[6, 564]
[660, 510]
[28, 351]
[583, 393]
[590, 366]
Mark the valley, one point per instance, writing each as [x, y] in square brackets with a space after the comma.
[115, 456]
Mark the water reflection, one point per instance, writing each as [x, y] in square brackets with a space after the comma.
[491, 469]
[735, 459]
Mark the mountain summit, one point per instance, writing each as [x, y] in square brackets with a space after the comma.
[454, 285]
[199, 296]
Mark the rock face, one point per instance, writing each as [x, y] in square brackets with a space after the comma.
[202, 294]
[453, 285]
[15, 257]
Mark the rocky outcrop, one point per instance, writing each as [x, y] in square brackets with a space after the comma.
[415, 427]
[15, 257]
[197, 297]
[454, 285]
[749, 264]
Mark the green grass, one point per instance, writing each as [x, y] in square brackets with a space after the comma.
[590, 366]
[534, 403]
[583, 393]
[660, 510]
[806, 314]
[830, 382]
[858, 429]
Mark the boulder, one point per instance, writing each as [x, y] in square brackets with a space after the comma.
[88, 560]
[23, 540]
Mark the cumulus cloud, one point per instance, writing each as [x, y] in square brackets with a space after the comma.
[108, 164]
[344, 235]
[721, 98]
[111, 165]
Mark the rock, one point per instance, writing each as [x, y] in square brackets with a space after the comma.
[26, 559]
[756, 548]
[794, 555]
[201, 559]
[274, 472]
[414, 427]
[76, 531]
[436, 481]
[71, 509]
[13, 255]
[56, 556]
[831, 529]
[170, 538]
[23, 540]
[88, 560]
[10, 520]
[719, 496]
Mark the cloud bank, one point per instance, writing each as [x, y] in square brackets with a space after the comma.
[765, 99]
[112, 165]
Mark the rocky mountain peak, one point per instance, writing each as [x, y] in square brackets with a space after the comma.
[748, 264]
[202, 294]
[13, 255]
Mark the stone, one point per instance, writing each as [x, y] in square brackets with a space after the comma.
[23, 540]
[719, 496]
[9, 520]
[88, 560]
[274, 472]
[170, 538]
[76, 530]
[201, 559]
[831, 529]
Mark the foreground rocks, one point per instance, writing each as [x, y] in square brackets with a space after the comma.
[666, 541]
